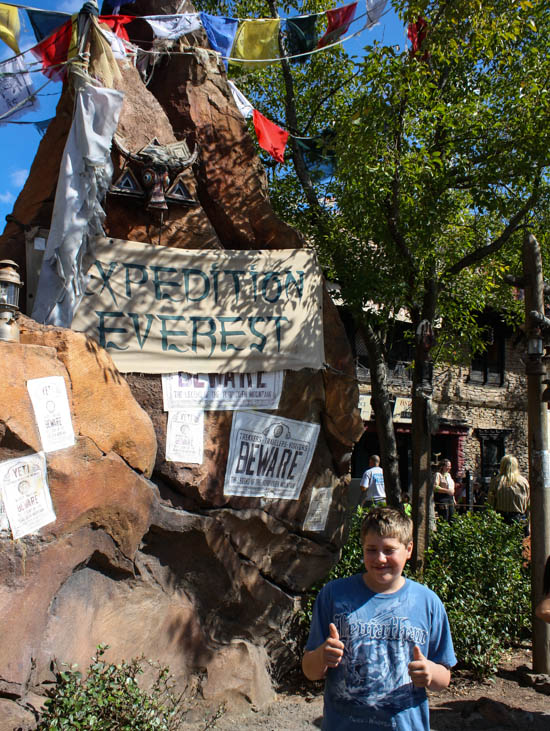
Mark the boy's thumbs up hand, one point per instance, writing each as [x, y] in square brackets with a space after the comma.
[420, 669]
[333, 650]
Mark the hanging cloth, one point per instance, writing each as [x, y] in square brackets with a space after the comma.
[256, 39]
[16, 88]
[116, 23]
[117, 44]
[102, 64]
[243, 105]
[171, 27]
[42, 126]
[220, 32]
[319, 156]
[54, 50]
[9, 26]
[339, 21]
[300, 36]
[271, 138]
[375, 8]
[84, 176]
[44, 23]
[416, 33]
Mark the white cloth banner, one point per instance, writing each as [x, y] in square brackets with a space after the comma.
[269, 456]
[26, 494]
[158, 309]
[222, 391]
[243, 105]
[171, 27]
[16, 86]
[52, 412]
[116, 42]
[84, 176]
[319, 506]
[185, 436]
[375, 8]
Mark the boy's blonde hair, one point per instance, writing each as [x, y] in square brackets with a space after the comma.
[387, 523]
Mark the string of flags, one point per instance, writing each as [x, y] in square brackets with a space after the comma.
[254, 42]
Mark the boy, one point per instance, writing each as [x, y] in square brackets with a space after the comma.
[378, 638]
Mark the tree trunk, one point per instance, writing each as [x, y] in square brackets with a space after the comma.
[383, 415]
[421, 443]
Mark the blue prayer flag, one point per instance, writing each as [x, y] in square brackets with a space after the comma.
[220, 32]
[44, 23]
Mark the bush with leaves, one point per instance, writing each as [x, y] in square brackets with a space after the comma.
[476, 566]
[110, 697]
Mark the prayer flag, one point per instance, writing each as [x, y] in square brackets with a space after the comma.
[116, 23]
[300, 36]
[271, 138]
[44, 23]
[172, 27]
[257, 39]
[244, 106]
[54, 50]
[220, 32]
[375, 8]
[16, 88]
[339, 21]
[416, 33]
[318, 154]
[114, 6]
[9, 26]
[42, 126]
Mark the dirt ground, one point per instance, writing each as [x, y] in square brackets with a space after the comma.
[507, 701]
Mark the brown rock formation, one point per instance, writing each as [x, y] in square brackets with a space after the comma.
[171, 567]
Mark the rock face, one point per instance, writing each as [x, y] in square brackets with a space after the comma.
[147, 555]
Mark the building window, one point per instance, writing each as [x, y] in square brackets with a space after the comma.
[487, 368]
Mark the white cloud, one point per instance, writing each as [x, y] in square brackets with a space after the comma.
[7, 197]
[18, 177]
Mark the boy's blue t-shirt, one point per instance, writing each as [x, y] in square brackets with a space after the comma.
[372, 688]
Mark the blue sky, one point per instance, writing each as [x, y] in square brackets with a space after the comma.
[19, 142]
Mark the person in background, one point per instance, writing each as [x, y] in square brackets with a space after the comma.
[444, 491]
[509, 492]
[406, 501]
[372, 483]
[542, 609]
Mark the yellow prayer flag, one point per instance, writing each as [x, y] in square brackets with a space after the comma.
[73, 45]
[9, 26]
[257, 39]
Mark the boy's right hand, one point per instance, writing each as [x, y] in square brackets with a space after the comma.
[333, 650]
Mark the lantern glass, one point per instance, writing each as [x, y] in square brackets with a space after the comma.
[9, 295]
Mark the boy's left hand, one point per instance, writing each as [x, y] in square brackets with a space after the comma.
[420, 669]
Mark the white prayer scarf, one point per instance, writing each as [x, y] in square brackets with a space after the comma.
[16, 87]
[84, 176]
[244, 106]
[171, 27]
[375, 8]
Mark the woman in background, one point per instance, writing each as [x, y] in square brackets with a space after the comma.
[444, 491]
[509, 492]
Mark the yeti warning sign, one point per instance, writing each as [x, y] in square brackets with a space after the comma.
[268, 456]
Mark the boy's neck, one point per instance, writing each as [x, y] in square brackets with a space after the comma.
[399, 583]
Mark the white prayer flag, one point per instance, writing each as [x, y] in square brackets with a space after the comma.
[26, 494]
[171, 27]
[16, 87]
[375, 8]
[185, 436]
[243, 105]
[52, 412]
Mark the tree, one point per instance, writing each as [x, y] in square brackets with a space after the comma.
[443, 156]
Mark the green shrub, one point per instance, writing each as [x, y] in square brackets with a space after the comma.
[475, 565]
[111, 698]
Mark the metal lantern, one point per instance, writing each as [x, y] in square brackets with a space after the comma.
[10, 284]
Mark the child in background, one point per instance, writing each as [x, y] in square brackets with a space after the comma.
[379, 639]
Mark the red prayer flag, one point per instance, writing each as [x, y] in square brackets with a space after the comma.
[339, 21]
[53, 51]
[116, 23]
[271, 138]
[417, 33]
